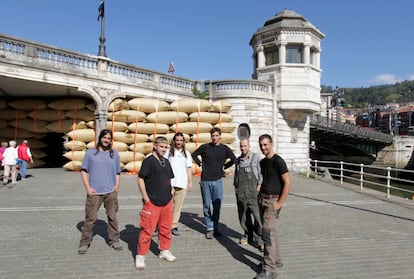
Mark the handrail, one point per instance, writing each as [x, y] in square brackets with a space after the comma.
[392, 181]
[330, 124]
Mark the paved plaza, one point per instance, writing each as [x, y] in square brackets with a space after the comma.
[326, 231]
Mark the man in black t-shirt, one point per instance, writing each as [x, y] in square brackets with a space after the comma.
[273, 193]
[154, 183]
[213, 159]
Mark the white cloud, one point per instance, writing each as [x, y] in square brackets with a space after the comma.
[410, 77]
[385, 79]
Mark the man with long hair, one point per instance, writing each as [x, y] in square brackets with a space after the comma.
[181, 163]
[100, 172]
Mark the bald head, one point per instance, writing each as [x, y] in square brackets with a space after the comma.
[244, 146]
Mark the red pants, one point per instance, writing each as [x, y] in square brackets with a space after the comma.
[151, 217]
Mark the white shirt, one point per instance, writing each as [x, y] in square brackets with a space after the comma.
[179, 164]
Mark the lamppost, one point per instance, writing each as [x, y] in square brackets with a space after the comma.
[101, 16]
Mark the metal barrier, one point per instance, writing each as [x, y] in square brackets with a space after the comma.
[391, 180]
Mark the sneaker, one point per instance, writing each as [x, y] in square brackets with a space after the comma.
[83, 249]
[140, 262]
[209, 235]
[175, 231]
[243, 239]
[264, 274]
[117, 246]
[166, 255]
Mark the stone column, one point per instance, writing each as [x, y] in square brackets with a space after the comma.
[261, 59]
[306, 54]
[282, 53]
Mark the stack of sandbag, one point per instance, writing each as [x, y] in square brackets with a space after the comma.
[34, 118]
[138, 121]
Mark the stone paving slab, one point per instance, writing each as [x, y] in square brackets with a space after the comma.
[326, 231]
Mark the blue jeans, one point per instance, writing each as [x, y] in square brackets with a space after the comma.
[211, 193]
[22, 168]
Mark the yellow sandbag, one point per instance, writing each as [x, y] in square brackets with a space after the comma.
[130, 138]
[38, 154]
[75, 155]
[226, 127]
[91, 106]
[210, 117]
[128, 156]
[36, 144]
[65, 126]
[3, 123]
[31, 125]
[118, 104]
[47, 115]
[73, 165]
[8, 133]
[167, 117]
[192, 146]
[206, 138]
[3, 104]
[142, 147]
[119, 146]
[85, 115]
[148, 128]
[11, 114]
[148, 105]
[170, 136]
[74, 145]
[190, 105]
[195, 169]
[29, 104]
[68, 104]
[133, 166]
[112, 126]
[36, 164]
[221, 106]
[192, 127]
[127, 115]
[86, 135]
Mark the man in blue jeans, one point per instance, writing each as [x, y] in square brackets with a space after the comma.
[24, 155]
[213, 161]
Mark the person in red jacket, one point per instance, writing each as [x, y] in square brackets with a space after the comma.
[24, 155]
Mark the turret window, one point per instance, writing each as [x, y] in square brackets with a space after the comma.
[294, 54]
[271, 55]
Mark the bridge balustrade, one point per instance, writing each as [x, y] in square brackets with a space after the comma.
[336, 126]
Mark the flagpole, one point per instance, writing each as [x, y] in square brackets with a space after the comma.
[102, 51]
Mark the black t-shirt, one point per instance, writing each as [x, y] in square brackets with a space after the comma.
[272, 170]
[157, 177]
[213, 158]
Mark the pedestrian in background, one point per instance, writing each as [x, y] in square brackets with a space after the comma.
[154, 183]
[100, 172]
[181, 163]
[9, 163]
[272, 194]
[25, 156]
[213, 160]
[247, 180]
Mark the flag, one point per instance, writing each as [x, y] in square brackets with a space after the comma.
[171, 68]
[101, 9]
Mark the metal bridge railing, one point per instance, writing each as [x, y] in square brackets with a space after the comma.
[392, 181]
[336, 126]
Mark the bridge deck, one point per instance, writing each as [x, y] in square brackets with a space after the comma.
[326, 231]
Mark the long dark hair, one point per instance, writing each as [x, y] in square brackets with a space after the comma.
[172, 148]
[103, 133]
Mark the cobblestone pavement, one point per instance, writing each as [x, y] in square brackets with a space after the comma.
[326, 231]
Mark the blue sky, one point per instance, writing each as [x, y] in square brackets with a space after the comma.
[367, 42]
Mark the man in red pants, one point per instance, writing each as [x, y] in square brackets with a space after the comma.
[154, 183]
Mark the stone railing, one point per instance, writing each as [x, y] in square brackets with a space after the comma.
[12, 48]
[329, 124]
[253, 87]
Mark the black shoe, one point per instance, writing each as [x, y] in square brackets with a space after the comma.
[217, 233]
[209, 234]
[175, 231]
[264, 274]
